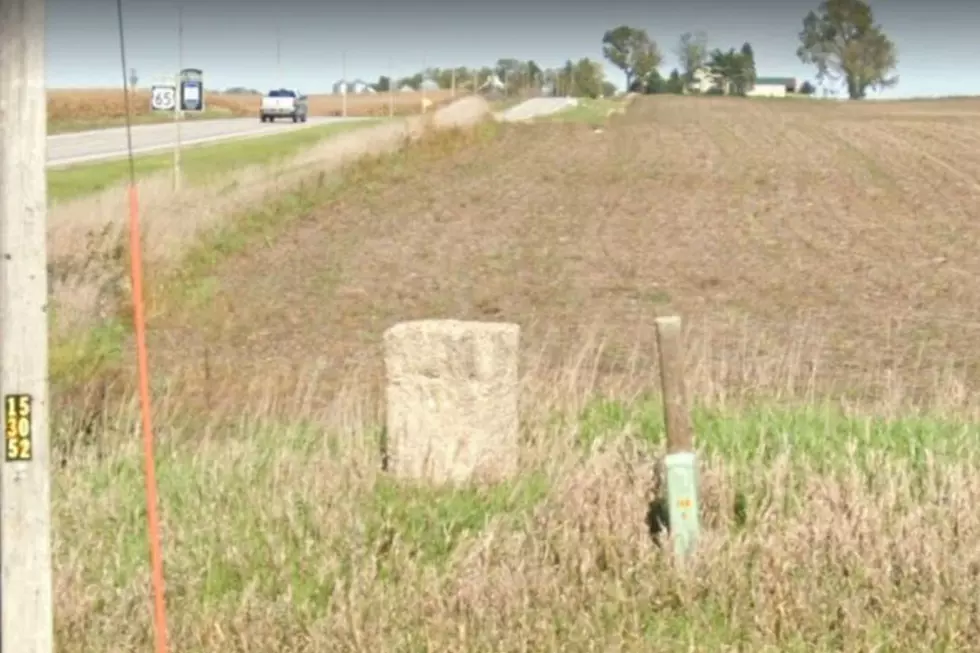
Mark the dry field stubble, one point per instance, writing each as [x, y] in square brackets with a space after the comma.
[814, 249]
[832, 241]
[79, 106]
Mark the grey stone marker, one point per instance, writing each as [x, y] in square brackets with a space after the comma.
[452, 400]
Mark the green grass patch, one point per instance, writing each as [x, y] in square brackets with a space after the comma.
[805, 441]
[83, 356]
[430, 521]
[274, 513]
[291, 515]
[587, 111]
[820, 435]
[199, 164]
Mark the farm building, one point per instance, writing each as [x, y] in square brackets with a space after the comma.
[356, 86]
[493, 83]
[702, 81]
[773, 87]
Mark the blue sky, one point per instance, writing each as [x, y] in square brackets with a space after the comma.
[235, 42]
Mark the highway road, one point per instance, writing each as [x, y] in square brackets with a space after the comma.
[104, 144]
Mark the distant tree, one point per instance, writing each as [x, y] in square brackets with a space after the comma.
[609, 89]
[845, 44]
[652, 84]
[535, 76]
[510, 72]
[566, 79]
[806, 88]
[631, 50]
[725, 67]
[383, 85]
[465, 77]
[563, 79]
[587, 78]
[749, 72]
[692, 53]
[675, 83]
[414, 82]
[483, 75]
[446, 77]
[734, 70]
[507, 67]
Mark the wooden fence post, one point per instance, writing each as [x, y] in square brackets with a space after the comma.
[681, 461]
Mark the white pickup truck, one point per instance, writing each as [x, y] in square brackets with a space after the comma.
[284, 103]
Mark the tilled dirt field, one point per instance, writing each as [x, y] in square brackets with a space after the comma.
[834, 244]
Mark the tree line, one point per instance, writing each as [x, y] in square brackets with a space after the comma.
[584, 77]
[633, 51]
[840, 38]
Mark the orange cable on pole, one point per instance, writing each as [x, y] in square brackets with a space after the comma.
[143, 369]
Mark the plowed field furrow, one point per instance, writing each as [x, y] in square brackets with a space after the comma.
[786, 216]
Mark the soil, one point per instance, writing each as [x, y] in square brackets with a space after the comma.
[839, 241]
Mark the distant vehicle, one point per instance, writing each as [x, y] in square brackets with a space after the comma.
[284, 103]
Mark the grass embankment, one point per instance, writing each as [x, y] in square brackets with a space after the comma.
[199, 163]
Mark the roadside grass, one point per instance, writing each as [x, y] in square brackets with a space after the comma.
[589, 111]
[63, 126]
[283, 534]
[199, 163]
[820, 436]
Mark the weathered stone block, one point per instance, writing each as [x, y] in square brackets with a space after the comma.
[452, 400]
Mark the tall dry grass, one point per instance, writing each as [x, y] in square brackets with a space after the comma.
[282, 534]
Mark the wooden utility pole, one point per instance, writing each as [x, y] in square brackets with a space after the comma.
[26, 618]
[279, 55]
[179, 107]
[425, 63]
[680, 462]
[391, 88]
[344, 83]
